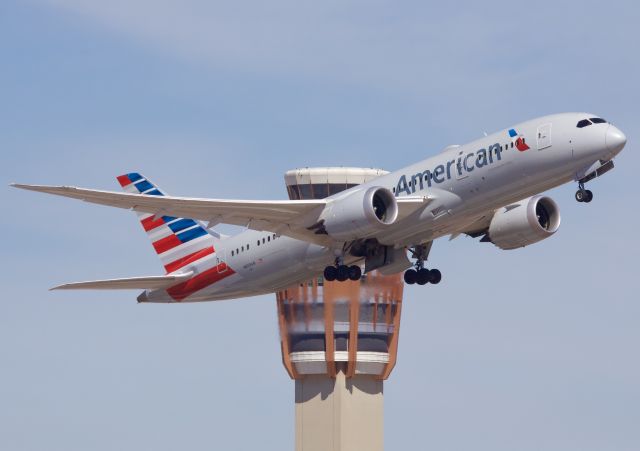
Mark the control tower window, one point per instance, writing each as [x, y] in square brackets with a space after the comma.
[293, 192]
[320, 190]
[583, 123]
[305, 191]
[597, 120]
[336, 187]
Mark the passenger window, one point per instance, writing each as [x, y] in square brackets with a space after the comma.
[258, 242]
[232, 253]
[269, 238]
[262, 240]
[512, 145]
[597, 120]
[237, 251]
[583, 123]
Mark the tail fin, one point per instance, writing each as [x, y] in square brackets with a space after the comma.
[177, 241]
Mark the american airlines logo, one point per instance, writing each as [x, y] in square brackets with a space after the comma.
[459, 167]
[462, 166]
[520, 144]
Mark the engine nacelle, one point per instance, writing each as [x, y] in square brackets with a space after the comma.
[527, 222]
[360, 214]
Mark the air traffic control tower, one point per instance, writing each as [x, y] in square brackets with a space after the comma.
[339, 339]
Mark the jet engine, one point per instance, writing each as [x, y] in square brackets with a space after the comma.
[524, 223]
[360, 214]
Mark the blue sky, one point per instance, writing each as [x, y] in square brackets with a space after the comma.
[534, 349]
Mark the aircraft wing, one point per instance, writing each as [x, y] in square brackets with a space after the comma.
[287, 217]
[129, 283]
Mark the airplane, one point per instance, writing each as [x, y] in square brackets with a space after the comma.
[489, 189]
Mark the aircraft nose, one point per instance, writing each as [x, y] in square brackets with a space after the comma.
[615, 139]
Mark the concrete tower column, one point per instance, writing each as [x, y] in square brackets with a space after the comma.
[339, 339]
[341, 414]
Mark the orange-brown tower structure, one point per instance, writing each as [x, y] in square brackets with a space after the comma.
[339, 339]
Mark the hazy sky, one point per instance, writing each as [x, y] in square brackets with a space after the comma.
[534, 349]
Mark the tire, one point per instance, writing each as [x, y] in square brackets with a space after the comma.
[580, 195]
[343, 273]
[588, 196]
[410, 276]
[435, 276]
[330, 273]
[424, 276]
[355, 272]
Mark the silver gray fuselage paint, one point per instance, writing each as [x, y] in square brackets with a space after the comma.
[466, 182]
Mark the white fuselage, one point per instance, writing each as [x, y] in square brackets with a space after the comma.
[466, 182]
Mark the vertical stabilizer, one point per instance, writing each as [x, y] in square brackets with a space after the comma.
[177, 241]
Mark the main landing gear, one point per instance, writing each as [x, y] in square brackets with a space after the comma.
[420, 274]
[342, 272]
[583, 195]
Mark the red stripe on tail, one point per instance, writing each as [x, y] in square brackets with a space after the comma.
[202, 280]
[150, 224]
[184, 261]
[123, 180]
[166, 243]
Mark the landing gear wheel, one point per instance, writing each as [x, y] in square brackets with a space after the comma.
[342, 273]
[581, 195]
[355, 272]
[330, 273]
[410, 276]
[435, 276]
[423, 276]
[588, 196]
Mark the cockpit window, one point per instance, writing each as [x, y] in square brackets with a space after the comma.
[597, 120]
[583, 123]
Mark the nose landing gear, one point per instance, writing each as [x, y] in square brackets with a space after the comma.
[583, 195]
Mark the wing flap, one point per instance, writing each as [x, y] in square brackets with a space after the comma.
[410, 204]
[128, 283]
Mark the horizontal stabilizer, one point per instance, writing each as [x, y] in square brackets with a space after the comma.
[128, 283]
